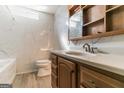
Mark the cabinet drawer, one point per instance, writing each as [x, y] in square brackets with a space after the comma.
[90, 78]
[54, 81]
[54, 59]
[54, 69]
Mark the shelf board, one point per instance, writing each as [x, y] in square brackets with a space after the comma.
[73, 7]
[75, 38]
[89, 23]
[114, 8]
[87, 6]
[83, 6]
[105, 34]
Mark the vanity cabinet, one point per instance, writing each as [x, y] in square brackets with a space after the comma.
[63, 73]
[93, 79]
[66, 73]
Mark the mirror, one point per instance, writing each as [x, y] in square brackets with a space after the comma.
[75, 25]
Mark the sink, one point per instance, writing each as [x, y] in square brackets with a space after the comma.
[79, 53]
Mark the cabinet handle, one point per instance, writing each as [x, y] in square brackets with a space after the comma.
[92, 82]
[72, 71]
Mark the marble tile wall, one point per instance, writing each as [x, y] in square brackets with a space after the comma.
[24, 34]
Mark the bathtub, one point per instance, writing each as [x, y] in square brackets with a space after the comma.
[7, 70]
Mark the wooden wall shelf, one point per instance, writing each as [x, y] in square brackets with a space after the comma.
[113, 8]
[93, 20]
[101, 21]
[106, 34]
[87, 6]
[89, 23]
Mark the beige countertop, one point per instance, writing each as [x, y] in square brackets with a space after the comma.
[109, 62]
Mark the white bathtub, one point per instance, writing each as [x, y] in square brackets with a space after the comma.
[7, 70]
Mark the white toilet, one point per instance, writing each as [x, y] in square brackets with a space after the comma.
[44, 67]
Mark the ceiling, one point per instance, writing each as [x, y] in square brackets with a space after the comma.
[44, 8]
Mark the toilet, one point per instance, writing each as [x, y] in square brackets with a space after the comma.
[44, 67]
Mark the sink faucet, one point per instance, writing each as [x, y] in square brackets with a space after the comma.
[86, 46]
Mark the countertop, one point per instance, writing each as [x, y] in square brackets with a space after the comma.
[108, 62]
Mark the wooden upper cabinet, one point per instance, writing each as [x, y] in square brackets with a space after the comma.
[66, 74]
[100, 20]
[114, 17]
[93, 19]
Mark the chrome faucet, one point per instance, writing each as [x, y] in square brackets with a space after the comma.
[86, 46]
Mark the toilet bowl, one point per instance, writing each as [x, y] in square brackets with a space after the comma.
[44, 67]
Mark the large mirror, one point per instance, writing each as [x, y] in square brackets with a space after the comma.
[75, 25]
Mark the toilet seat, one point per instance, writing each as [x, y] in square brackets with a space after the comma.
[42, 64]
[43, 61]
[44, 67]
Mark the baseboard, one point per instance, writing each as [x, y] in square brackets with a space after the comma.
[25, 72]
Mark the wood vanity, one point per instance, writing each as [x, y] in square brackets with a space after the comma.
[68, 73]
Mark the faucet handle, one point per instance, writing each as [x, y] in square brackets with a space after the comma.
[94, 49]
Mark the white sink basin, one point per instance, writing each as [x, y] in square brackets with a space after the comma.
[79, 53]
[74, 53]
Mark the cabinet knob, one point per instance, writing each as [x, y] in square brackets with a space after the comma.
[91, 81]
[72, 71]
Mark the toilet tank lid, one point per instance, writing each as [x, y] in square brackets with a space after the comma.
[43, 61]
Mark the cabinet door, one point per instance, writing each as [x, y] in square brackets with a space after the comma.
[66, 73]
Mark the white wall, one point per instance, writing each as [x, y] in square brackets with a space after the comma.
[113, 44]
[23, 33]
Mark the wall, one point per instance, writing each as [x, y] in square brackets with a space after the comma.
[23, 33]
[112, 45]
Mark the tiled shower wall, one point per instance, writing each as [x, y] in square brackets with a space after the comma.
[112, 44]
[24, 34]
